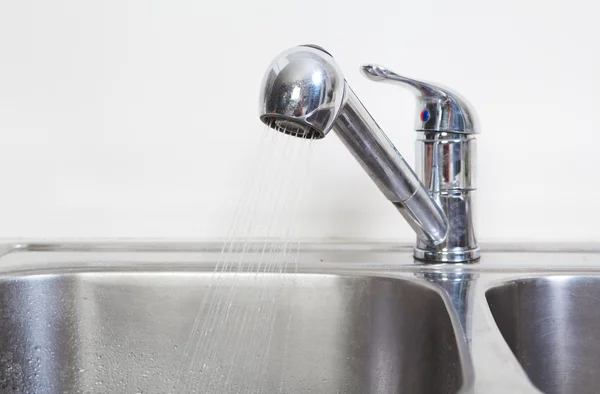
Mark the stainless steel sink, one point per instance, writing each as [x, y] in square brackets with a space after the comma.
[150, 317]
[85, 327]
[552, 325]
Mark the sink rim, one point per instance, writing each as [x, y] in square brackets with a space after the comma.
[543, 275]
[516, 258]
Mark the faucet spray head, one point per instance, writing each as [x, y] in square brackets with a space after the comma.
[302, 92]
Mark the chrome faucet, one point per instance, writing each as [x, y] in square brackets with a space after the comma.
[304, 94]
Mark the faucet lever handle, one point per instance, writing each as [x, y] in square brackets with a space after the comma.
[438, 109]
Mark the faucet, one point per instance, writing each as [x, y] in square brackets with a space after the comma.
[304, 94]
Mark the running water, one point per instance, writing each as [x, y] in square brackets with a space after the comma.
[230, 338]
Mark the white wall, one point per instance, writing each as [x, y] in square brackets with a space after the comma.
[134, 118]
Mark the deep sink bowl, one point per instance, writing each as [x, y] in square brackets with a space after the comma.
[552, 325]
[191, 331]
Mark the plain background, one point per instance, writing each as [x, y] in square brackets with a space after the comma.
[139, 118]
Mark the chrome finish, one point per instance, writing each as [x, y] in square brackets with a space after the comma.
[397, 181]
[460, 245]
[304, 94]
[448, 111]
[552, 326]
[446, 161]
[447, 168]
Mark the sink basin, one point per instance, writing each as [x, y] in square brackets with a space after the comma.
[552, 325]
[189, 330]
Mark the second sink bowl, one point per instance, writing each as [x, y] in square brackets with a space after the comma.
[552, 325]
[164, 331]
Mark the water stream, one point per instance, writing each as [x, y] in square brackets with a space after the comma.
[230, 337]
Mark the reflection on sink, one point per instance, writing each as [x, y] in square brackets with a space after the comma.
[552, 325]
[122, 330]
